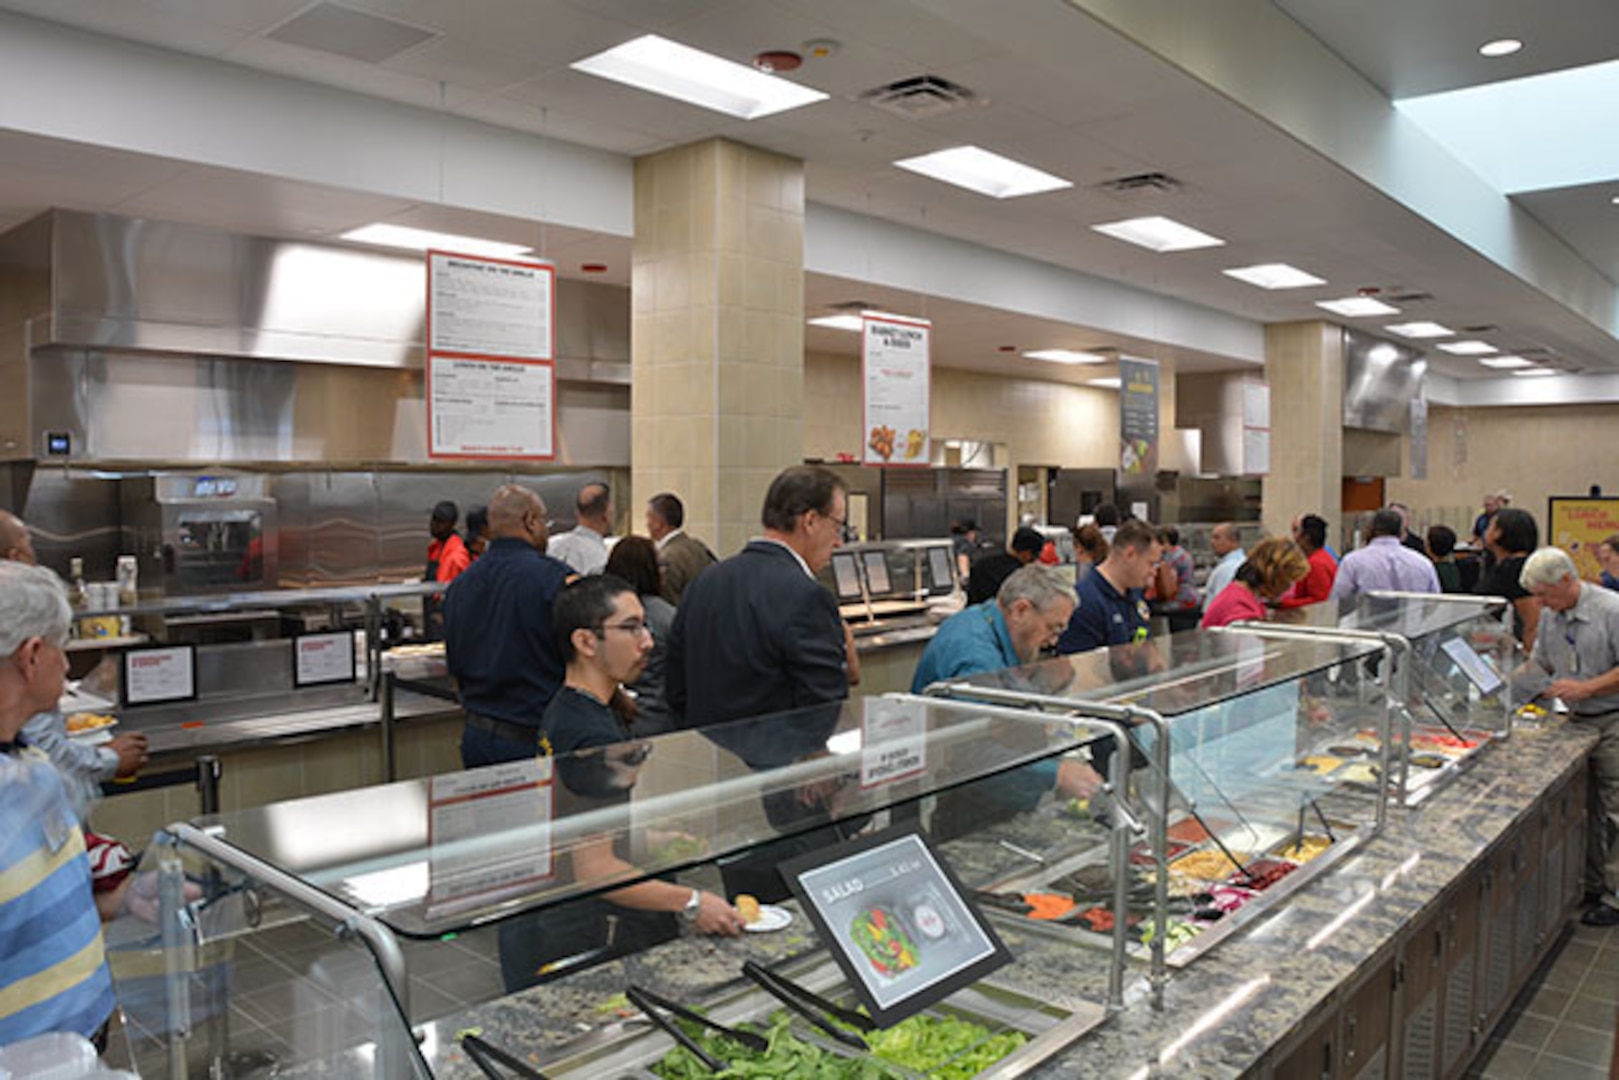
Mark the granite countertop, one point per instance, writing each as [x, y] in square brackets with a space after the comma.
[1265, 980]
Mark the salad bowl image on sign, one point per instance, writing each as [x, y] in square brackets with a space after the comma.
[900, 928]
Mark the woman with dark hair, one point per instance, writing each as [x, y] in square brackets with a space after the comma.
[1090, 548]
[1271, 569]
[1510, 538]
[635, 559]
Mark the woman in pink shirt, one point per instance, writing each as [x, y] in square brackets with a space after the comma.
[1272, 568]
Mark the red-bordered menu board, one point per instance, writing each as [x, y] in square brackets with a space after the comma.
[491, 382]
[895, 356]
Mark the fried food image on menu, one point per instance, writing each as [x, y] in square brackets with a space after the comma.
[887, 946]
[882, 441]
[914, 439]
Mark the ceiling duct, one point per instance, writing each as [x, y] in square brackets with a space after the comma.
[1159, 182]
[921, 97]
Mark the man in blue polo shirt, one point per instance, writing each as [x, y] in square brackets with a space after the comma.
[1112, 601]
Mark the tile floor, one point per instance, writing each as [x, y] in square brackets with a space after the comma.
[1563, 1027]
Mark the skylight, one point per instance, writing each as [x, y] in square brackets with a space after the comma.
[979, 170]
[665, 67]
[1505, 363]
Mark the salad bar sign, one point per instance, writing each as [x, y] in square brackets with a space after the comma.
[899, 926]
[895, 354]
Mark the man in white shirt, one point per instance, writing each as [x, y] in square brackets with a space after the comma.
[584, 547]
[1227, 547]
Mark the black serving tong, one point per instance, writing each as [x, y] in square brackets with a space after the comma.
[812, 1006]
[1242, 867]
[1332, 837]
[650, 1003]
[487, 1056]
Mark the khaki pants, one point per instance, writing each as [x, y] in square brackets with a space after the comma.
[1602, 839]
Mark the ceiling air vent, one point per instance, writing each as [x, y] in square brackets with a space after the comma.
[852, 305]
[1410, 298]
[357, 35]
[1141, 182]
[921, 97]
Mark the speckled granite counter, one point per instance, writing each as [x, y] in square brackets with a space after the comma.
[1220, 1016]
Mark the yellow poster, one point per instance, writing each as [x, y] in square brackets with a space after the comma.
[1577, 525]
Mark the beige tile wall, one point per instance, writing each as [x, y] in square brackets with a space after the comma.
[1304, 367]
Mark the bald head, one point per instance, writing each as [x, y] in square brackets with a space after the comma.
[593, 507]
[516, 513]
[15, 543]
[1223, 538]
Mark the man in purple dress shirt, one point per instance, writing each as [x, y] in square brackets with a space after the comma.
[1384, 564]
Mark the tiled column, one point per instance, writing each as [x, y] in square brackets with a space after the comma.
[717, 332]
[1304, 366]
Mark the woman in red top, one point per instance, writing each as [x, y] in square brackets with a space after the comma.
[1271, 569]
[1310, 533]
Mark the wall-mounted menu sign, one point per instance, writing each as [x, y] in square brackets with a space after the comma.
[1138, 416]
[318, 659]
[899, 926]
[491, 386]
[895, 355]
[488, 834]
[151, 676]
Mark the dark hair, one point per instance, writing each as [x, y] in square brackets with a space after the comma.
[668, 506]
[1106, 514]
[1518, 529]
[593, 505]
[1441, 540]
[1169, 536]
[477, 520]
[1027, 539]
[795, 492]
[446, 511]
[1135, 534]
[584, 605]
[635, 559]
[1387, 523]
[1089, 539]
[1611, 543]
[1313, 528]
[964, 526]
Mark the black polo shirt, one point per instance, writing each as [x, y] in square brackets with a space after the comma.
[497, 632]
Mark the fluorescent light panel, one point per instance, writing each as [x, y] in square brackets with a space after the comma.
[1504, 363]
[1420, 330]
[1536, 372]
[1274, 276]
[1066, 356]
[1469, 348]
[1357, 307]
[1111, 383]
[979, 170]
[1158, 233]
[1500, 47]
[840, 322]
[665, 67]
[403, 236]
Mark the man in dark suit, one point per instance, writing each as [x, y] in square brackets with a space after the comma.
[681, 556]
[756, 633]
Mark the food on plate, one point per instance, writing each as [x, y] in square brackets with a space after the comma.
[1531, 712]
[887, 946]
[1429, 761]
[1320, 763]
[1358, 773]
[914, 439]
[1306, 849]
[80, 722]
[747, 907]
[882, 441]
[1207, 865]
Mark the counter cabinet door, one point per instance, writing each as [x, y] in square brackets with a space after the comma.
[1421, 999]
[1364, 1026]
[1313, 1057]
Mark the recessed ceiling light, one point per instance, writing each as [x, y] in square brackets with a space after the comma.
[1615, 200]
[686, 74]
[403, 236]
[1274, 276]
[1500, 47]
[1110, 383]
[1420, 330]
[1469, 348]
[1357, 307]
[1504, 362]
[988, 174]
[840, 322]
[1066, 356]
[1159, 234]
[1536, 372]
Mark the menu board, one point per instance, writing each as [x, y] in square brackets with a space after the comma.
[1138, 416]
[319, 659]
[877, 579]
[1474, 666]
[846, 573]
[897, 921]
[489, 834]
[491, 385]
[1577, 524]
[150, 676]
[895, 357]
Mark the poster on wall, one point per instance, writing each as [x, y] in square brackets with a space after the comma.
[491, 386]
[1577, 524]
[1138, 416]
[1419, 438]
[895, 359]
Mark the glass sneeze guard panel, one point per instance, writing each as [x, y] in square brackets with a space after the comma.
[436, 855]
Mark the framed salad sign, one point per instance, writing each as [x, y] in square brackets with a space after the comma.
[900, 927]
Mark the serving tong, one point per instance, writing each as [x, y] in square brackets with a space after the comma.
[812, 1006]
[650, 1003]
[487, 1056]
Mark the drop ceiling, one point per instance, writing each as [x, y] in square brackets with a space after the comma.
[1053, 87]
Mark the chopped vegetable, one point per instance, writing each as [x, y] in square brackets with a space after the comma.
[884, 941]
[943, 1046]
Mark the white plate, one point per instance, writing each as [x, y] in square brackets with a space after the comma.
[771, 918]
[93, 736]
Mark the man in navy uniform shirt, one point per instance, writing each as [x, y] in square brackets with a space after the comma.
[1112, 600]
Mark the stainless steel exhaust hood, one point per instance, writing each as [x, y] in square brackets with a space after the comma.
[149, 341]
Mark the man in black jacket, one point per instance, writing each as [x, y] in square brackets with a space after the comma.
[756, 633]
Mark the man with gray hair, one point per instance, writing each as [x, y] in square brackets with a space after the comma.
[53, 966]
[1578, 647]
[1226, 543]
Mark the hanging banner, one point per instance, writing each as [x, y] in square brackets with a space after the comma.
[1419, 438]
[895, 356]
[1578, 525]
[1255, 429]
[491, 386]
[1138, 416]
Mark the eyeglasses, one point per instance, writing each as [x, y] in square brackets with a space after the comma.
[633, 627]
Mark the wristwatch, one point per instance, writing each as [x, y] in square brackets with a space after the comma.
[689, 912]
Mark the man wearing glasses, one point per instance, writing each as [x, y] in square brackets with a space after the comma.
[1578, 647]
